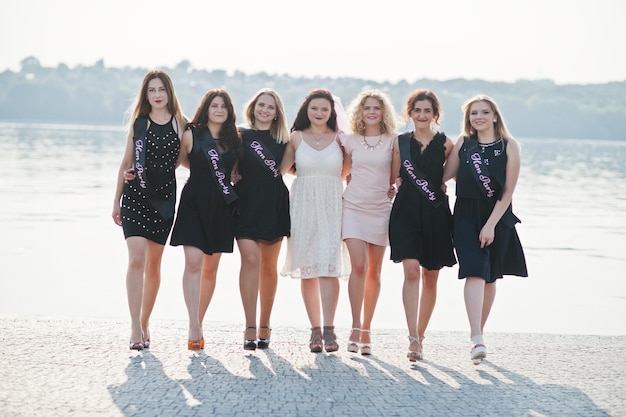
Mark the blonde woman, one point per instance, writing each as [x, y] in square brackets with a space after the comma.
[486, 164]
[366, 206]
[263, 211]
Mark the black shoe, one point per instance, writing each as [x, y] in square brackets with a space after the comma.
[264, 343]
[249, 344]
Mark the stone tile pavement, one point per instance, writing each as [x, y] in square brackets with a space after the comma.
[82, 367]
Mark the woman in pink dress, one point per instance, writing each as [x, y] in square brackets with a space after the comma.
[366, 206]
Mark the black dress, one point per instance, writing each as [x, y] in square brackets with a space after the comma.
[418, 229]
[263, 204]
[204, 219]
[505, 255]
[139, 215]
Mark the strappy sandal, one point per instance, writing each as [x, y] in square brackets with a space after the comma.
[195, 344]
[264, 343]
[366, 347]
[136, 346]
[415, 355]
[352, 345]
[315, 343]
[249, 344]
[479, 350]
[330, 339]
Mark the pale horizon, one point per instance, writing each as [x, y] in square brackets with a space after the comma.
[492, 41]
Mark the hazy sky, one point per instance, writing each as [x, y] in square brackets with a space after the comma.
[495, 40]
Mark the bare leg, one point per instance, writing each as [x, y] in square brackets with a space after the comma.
[372, 288]
[268, 283]
[474, 298]
[356, 283]
[249, 280]
[311, 296]
[427, 300]
[137, 247]
[490, 296]
[192, 279]
[410, 293]
[151, 284]
[209, 279]
[329, 293]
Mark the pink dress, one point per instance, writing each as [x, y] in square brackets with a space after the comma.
[366, 207]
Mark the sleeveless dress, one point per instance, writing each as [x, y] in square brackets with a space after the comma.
[315, 248]
[418, 229]
[204, 219]
[366, 206]
[139, 215]
[505, 255]
[263, 204]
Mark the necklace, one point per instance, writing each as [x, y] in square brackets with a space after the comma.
[371, 148]
[318, 140]
[484, 146]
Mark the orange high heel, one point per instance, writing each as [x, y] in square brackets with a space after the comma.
[195, 344]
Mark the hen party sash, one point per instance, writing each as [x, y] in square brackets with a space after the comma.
[479, 168]
[262, 154]
[164, 206]
[209, 149]
[416, 175]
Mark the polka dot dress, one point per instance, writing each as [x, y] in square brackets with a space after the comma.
[139, 216]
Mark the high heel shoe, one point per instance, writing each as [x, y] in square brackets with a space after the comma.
[195, 344]
[352, 345]
[315, 343]
[136, 346]
[330, 339]
[264, 343]
[366, 347]
[249, 344]
[415, 355]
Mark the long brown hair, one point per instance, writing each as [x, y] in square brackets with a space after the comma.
[141, 107]
[228, 131]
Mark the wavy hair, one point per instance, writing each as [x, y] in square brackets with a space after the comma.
[419, 95]
[278, 129]
[388, 122]
[302, 118]
[499, 125]
[228, 131]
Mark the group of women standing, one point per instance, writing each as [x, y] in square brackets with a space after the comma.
[236, 192]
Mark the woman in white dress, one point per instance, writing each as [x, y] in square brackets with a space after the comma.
[315, 252]
[366, 206]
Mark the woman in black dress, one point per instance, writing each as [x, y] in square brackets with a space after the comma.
[263, 211]
[486, 163]
[204, 224]
[144, 204]
[420, 223]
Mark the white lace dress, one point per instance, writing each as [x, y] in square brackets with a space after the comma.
[315, 248]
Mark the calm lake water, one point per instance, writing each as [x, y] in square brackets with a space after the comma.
[62, 255]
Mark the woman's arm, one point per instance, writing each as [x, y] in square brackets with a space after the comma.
[513, 163]
[452, 159]
[125, 165]
[289, 156]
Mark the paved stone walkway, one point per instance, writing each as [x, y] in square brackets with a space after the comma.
[82, 367]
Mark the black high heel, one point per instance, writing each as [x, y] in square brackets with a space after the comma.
[249, 344]
[264, 343]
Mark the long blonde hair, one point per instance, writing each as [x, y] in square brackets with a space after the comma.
[499, 125]
[278, 129]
